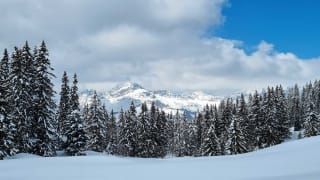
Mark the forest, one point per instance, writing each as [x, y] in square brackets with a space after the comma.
[31, 121]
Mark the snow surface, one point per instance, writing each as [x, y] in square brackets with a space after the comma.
[294, 160]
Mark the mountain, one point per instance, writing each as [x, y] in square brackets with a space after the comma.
[169, 101]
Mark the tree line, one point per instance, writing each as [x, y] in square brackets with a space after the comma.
[32, 122]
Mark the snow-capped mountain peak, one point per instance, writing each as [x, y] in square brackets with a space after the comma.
[121, 95]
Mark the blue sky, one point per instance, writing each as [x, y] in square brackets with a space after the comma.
[291, 25]
[158, 43]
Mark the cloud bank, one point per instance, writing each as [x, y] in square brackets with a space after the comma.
[161, 44]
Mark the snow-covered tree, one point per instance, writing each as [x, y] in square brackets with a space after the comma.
[95, 126]
[7, 128]
[43, 109]
[21, 98]
[75, 131]
[210, 145]
[64, 110]
[311, 122]
[256, 118]
[112, 134]
[237, 143]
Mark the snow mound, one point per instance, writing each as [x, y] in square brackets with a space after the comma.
[294, 160]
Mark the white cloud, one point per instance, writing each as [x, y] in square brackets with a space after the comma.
[158, 43]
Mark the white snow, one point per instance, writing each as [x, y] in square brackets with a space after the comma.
[121, 96]
[294, 160]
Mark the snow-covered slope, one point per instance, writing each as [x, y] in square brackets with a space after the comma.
[294, 160]
[123, 94]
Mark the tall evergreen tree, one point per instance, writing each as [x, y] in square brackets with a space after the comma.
[7, 128]
[95, 126]
[75, 131]
[256, 118]
[21, 98]
[64, 110]
[282, 115]
[210, 145]
[44, 106]
[112, 134]
[237, 143]
[311, 122]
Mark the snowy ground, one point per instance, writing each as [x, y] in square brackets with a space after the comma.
[294, 160]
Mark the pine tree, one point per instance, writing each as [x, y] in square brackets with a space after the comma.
[237, 143]
[7, 128]
[270, 126]
[312, 122]
[122, 138]
[21, 98]
[283, 121]
[224, 123]
[210, 145]
[144, 145]
[43, 109]
[199, 133]
[95, 126]
[75, 133]
[256, 118]
[131, 134]
[170, 133]
[178, 136]
[162, 138]
[246, 126]
[112, 134]
[64, 110]
[294, 107]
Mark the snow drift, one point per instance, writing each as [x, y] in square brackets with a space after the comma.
[294, 160]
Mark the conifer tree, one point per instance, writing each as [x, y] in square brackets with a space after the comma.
[95, 126]
[162, 138]
[64, 110]
[122, 138]
[7, 128]
[210, 145]
[236, 143]
[311, 122]
[255, 117]
[178, 135]
[75, 131]
[112, 134]
[43, 109]
[282, 115]
[144, 145]
[21, 98]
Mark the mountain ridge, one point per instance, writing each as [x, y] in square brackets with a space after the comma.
[121, 96]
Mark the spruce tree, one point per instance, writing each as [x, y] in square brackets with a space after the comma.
[144, 145]
[95, 126]
[210, 145]
[112, 134]
[63, 111]
[237, 143]
[7, 128]
[21, 98]
[178, 136]
[162, 138]
[283, 121]
[311, 122]
[44, 106]
[75, 132]
[256, 118]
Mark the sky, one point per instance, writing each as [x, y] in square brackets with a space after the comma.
[171, 44]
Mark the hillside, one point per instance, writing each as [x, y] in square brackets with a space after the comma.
[121, 96]
[294, 160]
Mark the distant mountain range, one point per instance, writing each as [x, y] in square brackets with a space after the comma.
[169, 101]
